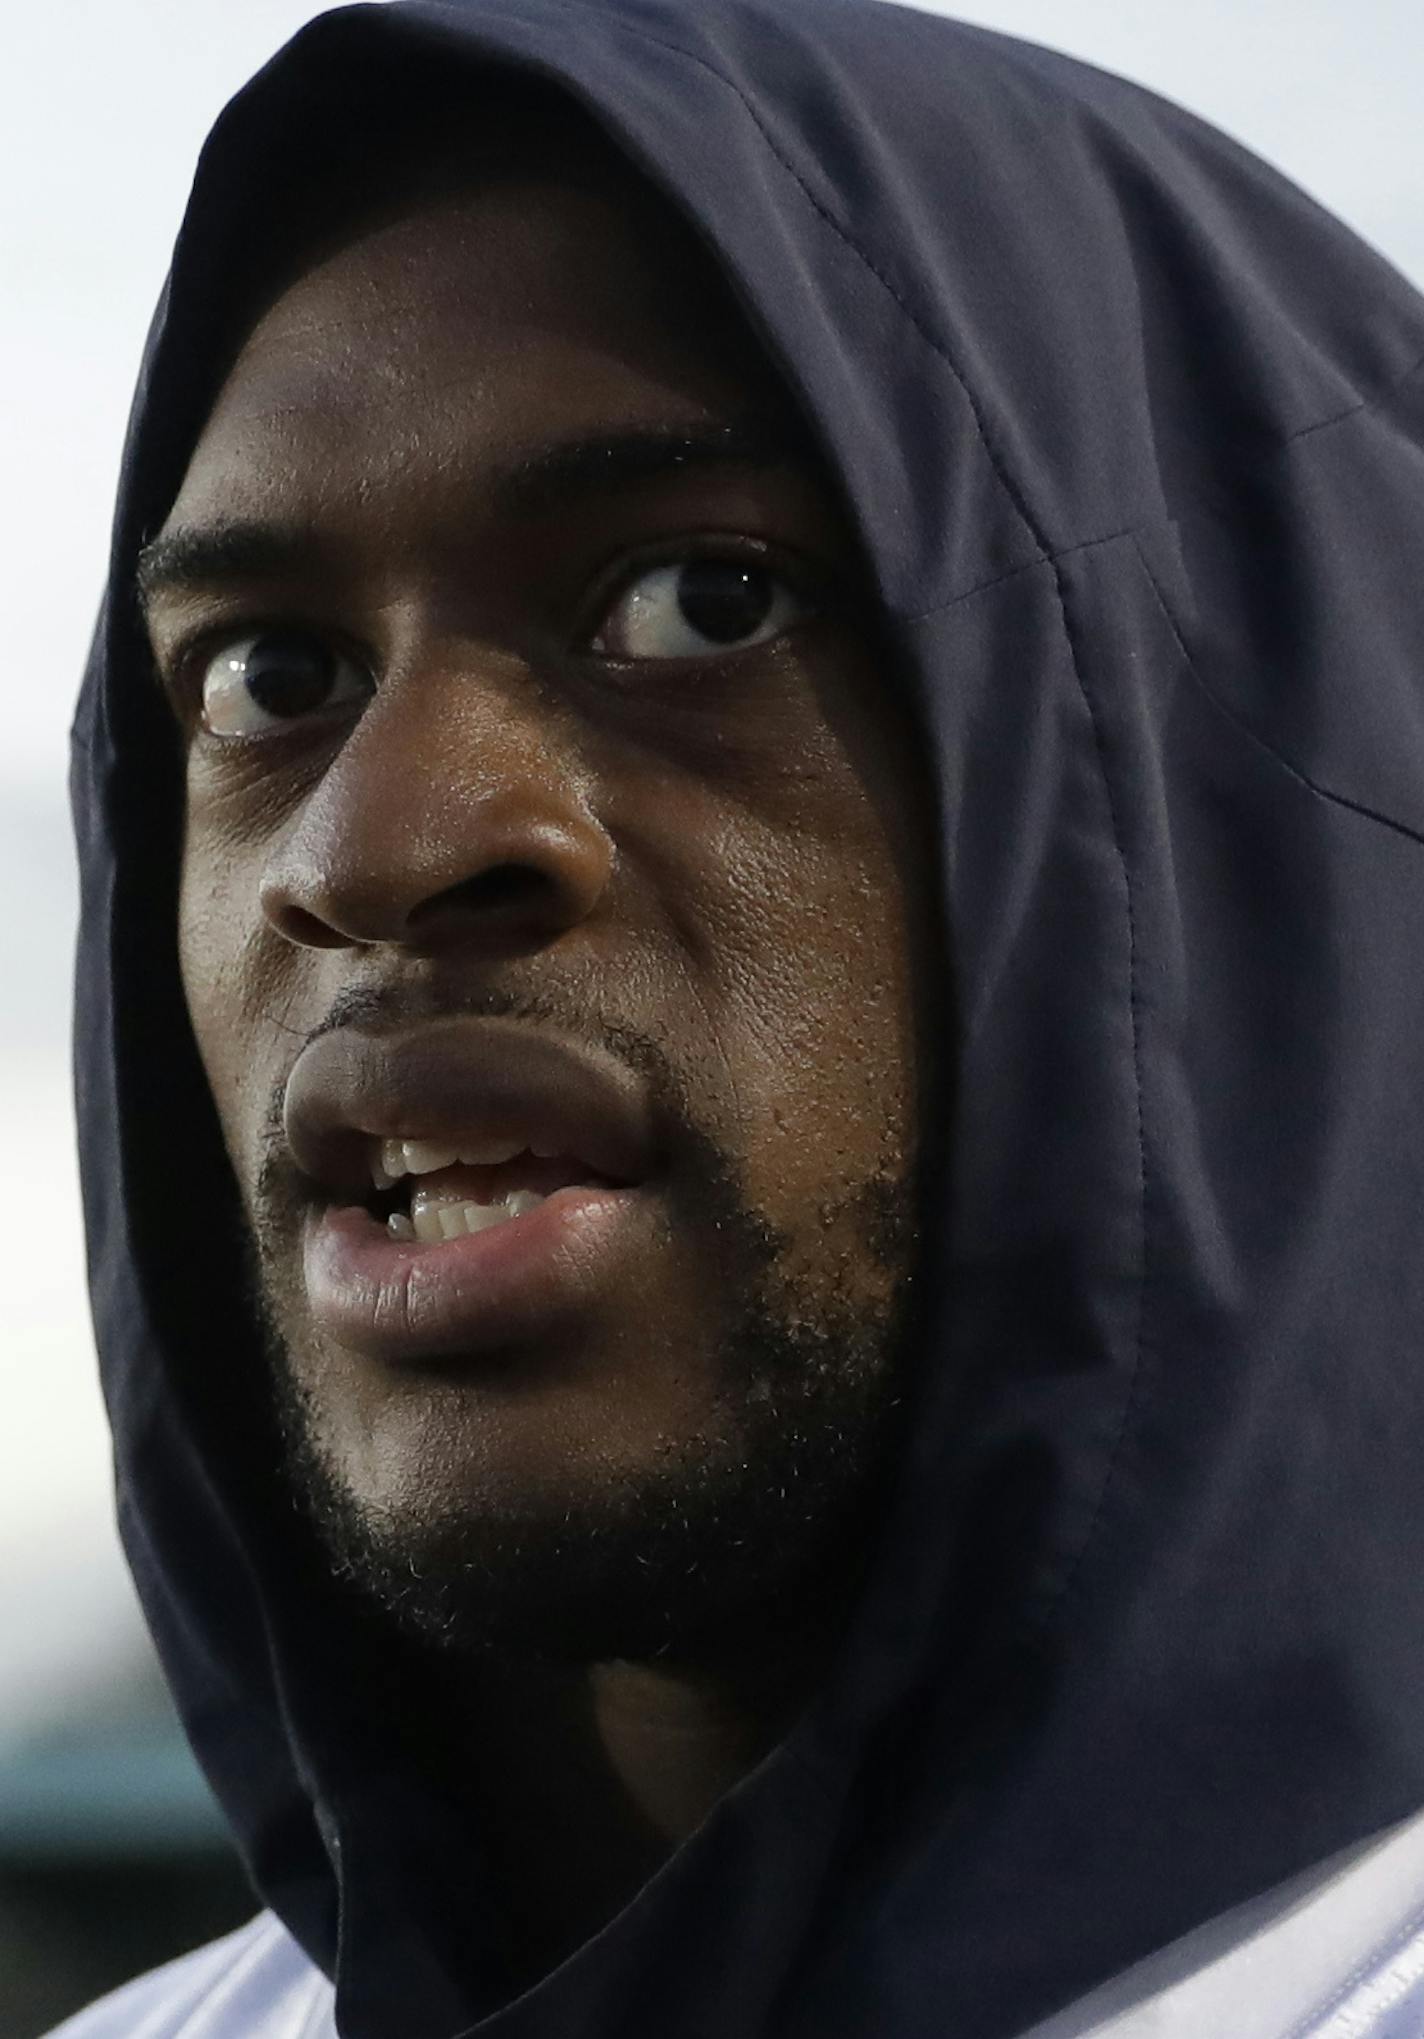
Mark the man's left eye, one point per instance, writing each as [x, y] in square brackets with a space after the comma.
[695, 608]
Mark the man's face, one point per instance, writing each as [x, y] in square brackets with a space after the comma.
[546, 800]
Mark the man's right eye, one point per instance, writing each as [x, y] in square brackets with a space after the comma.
[254, 684]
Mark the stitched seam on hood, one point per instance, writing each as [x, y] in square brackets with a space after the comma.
[1016, 496]
[1055, 1596]
[1013, 573]
[1366, 403]
[1263, 743]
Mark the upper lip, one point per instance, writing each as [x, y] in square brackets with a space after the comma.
[456, 1081]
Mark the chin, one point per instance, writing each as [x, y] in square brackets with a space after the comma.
[535, 1532]
[614, 1495]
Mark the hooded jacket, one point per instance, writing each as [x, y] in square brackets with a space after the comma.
[1130, 431]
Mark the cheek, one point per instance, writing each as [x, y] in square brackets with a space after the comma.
[806, 983]
[831, 1048]
[233, 982]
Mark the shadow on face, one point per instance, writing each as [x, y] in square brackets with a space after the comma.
[518, 644]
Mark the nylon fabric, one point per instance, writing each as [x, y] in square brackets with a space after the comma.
[1131, 433]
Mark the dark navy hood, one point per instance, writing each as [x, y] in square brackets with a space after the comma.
[1132, 433]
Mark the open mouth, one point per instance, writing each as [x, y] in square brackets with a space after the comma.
[418, 1142]
[462, 1259]
[429, 1193]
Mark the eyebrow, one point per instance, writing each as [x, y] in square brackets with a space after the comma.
[555, 478]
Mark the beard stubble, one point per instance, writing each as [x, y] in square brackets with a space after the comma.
[693, 1558]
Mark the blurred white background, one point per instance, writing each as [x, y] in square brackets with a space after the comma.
[103, 105]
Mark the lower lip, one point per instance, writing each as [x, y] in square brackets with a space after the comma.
[400, 1300]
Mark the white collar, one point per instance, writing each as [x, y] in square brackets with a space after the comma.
[1337, 1953]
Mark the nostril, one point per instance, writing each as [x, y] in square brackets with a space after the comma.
[503, 888]
[349, 882]
[308, 930]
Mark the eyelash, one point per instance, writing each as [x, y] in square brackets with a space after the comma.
[736, 549]
[182, 669]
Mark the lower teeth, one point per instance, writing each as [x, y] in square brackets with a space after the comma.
[433, 1222]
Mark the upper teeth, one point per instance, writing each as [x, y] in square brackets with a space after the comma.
[423, 1157]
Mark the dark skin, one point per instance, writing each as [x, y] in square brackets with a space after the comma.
[711, 846]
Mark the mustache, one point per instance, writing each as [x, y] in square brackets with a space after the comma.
[379, 1009]
[383, 1008]
[714, 1182]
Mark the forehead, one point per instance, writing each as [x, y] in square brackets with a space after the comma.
[475, 321]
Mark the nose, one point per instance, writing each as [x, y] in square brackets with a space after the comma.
[455, 809]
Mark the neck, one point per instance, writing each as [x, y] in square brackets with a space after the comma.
[584, 1781]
